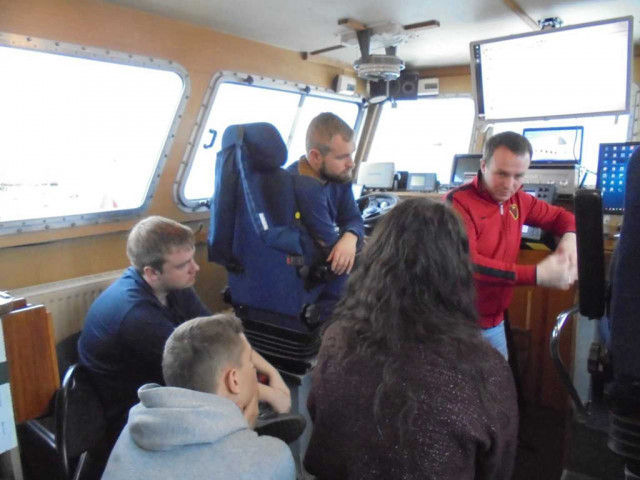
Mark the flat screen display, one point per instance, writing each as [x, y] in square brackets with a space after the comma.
[425, 182]
[417, 181]
[613, 159]
[571, 71]
[464, 167]
[555, 146]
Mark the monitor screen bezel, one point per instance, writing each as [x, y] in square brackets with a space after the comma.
[541, 161]
[456, 157]
[476, 79]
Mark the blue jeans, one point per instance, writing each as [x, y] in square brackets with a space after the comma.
[496, 337]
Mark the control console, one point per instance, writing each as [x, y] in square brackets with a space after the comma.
[563, 179]
[542, 191]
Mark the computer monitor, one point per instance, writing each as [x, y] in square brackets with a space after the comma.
[612, 174]
[465, 165]
[555, 145]
[377, 174]
[571, 71]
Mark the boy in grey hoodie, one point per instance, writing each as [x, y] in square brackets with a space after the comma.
[200, 425]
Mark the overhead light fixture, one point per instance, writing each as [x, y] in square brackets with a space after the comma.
[379, 67]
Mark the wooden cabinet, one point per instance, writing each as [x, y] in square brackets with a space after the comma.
[532, 314]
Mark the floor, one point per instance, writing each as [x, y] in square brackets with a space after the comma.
[541, 444]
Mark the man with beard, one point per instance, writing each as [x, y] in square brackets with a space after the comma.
[325, 198]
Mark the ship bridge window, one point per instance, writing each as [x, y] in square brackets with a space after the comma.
[235, 98]
[423, 135]
[84, 132]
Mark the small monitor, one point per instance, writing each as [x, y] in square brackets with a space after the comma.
[422, 182]
[465, 166]
[377, 174]
[357, 190]
[613, 160]
[555, 145]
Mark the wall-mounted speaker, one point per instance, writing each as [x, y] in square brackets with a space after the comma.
[405, 88]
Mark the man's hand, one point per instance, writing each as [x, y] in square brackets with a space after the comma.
[343, 254]
[554, 272]
[250, 411]
[278, 394]
[279, 401]
[568, 249]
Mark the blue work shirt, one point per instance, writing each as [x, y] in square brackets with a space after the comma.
[327, 210]
[124, 335]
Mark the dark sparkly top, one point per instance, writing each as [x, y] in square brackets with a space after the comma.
[455, 434]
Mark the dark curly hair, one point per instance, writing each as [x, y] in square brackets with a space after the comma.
[413, 285]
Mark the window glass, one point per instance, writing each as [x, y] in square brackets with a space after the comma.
[313, 106]
[289, 107]
[423, 135]
[597, 130]
[234, 104]
[79, 135]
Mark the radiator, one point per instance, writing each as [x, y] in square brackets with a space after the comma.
[68, 300]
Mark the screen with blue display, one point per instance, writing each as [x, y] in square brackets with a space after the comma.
[612, 174]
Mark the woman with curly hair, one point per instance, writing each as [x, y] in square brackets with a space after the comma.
[405, 386]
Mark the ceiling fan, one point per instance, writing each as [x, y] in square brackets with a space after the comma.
[388, 35]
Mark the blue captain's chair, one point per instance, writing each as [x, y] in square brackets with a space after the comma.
[255, 232]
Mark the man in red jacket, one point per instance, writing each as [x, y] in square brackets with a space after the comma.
[494, 208]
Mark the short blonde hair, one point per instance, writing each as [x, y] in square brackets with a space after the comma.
[153, 238]
[198, 350]
[323, 128]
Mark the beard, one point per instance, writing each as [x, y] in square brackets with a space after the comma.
[342, 178]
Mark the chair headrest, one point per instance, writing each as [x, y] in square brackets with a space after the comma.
[267, 150]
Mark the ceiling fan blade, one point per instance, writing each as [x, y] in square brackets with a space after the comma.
[352, 24]
[422, 25]
[364, 40]
[325, 50]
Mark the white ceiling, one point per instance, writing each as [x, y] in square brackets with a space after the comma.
[307, 25]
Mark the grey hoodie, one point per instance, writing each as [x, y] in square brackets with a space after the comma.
[174, 433]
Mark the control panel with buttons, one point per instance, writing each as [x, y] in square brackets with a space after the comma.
[544, 192]
[565, 180]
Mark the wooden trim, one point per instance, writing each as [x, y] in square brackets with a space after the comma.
[32, 359]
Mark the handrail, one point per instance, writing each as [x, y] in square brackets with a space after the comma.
[555, 356]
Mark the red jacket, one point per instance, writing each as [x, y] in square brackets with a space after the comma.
[494, 232]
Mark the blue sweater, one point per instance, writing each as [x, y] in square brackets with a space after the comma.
[124, 335]
[327, 210]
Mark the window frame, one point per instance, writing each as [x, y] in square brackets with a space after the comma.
[27, 42]
[441, 96]
[260, 81]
